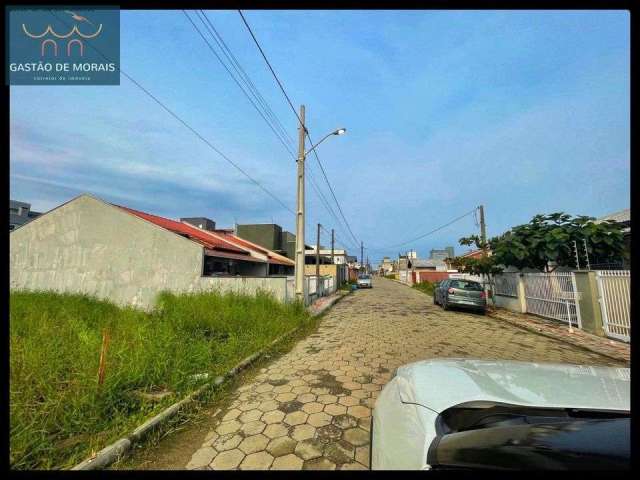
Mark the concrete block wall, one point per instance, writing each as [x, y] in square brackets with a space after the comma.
[90, 246]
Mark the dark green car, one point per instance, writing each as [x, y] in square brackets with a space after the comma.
[460, 293]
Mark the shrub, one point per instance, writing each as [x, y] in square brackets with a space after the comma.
[424, 287]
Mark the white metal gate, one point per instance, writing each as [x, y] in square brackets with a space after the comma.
[553, 295]
[614, 299]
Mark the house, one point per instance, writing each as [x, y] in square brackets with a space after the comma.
[269, 235]
[335, 265]
[127, 256]
[426, 270]
[387, 266]
[624, 217]
[20, 213]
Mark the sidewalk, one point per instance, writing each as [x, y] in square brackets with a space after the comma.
[602, 345]
[323, 303]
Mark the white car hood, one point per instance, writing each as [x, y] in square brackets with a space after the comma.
[444, 383]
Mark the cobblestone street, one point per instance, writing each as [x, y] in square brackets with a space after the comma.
[311, 408]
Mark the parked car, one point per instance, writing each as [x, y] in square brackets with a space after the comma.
[460, 293]
[477, 414]
[364, 281]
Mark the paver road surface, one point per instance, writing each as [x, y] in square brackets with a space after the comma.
[311, 408]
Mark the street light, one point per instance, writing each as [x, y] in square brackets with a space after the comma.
[340, 131]
[300, 203]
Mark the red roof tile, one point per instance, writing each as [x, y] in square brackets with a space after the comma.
[210, 241]
[273, 256]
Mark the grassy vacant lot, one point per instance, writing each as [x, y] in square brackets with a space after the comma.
[424, 287]
[59, 415]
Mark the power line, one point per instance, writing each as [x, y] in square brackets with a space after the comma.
[189, 127]
[332, 192]
[243, 74]
[234, 78]
[293, 109]
[251, 87]
[425, 234]
[271, 68]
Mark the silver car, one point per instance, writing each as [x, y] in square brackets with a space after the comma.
[477, 414]
[364, 281]
[460, 293]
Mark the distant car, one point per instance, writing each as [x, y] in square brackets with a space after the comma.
[475, 414]
[364, 281]
[460, 293]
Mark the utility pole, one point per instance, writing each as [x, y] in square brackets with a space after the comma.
[483, 229]
[318, 254]
[361, 253]
[333, 243]
[300, 213]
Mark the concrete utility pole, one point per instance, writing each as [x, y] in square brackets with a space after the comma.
[361, 253]
[318, 254]
[333, 244]
[483, 228]
[299, 268]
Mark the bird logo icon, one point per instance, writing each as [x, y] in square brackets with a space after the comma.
[79, 18]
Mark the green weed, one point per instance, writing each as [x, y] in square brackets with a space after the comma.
[59, 414]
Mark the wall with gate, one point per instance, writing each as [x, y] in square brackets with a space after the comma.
[596, 301]
[615, 299]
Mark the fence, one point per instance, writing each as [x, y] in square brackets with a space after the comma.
[553, 295]
[506, 284]
[317, 287]
[614, 299]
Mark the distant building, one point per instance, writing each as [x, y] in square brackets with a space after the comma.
[436, 254]
[269, 235]
[20, 213]
[387, 266]
[200, 222]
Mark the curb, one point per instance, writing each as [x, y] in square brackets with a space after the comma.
[555, 337]
[332, 301]
[117, 449]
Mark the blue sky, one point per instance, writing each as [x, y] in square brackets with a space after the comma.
[524, 112]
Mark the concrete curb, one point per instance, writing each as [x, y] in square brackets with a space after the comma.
[533, 329]
[119, 448]
[330, 303]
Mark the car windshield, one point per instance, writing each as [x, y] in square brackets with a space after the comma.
[364, 277]
[465, 285]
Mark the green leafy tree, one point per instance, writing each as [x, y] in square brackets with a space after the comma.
[549, 239]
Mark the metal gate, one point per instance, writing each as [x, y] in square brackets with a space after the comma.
[553, 295]
[614, 299]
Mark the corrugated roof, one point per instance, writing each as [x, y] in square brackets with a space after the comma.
[621, 216]
[210, 241]
[271, 255]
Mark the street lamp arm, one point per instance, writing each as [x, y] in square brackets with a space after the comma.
[339, 131]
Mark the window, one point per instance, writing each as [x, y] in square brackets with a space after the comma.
[465, 285]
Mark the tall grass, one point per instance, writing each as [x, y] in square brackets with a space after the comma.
[58, 414]
[424, 287]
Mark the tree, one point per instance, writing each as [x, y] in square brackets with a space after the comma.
[549, 239]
